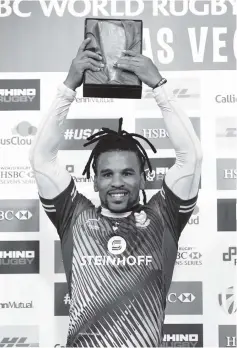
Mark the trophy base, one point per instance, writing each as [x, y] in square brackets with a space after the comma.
[112, 91]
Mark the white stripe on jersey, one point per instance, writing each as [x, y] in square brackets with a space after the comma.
[186, 211]
[162, 192]
[188, 206]
[74, 192]
[50, 210]
[48, 205]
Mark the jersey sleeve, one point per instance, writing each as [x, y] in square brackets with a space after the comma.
[60, 209]
[174, 210]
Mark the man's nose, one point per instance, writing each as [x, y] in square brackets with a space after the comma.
[117, 180]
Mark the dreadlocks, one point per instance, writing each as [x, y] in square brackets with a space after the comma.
[109, 140]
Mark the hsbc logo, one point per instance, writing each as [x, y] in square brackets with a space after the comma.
[184, 298]
[188, 256]
[19, 215]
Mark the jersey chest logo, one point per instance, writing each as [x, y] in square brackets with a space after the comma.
[141, 219]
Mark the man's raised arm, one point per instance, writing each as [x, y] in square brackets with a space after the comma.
[184, 177]
[51, 177]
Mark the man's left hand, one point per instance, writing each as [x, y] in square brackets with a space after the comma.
[140, 65]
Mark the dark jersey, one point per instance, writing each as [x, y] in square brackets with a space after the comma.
[118, 270]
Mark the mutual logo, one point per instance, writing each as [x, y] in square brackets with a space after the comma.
[87, 100]
[19, 336]
[116, 245]
[227, 336]
[226, 174]
[230, 255]
[227, 300]
[71, 169]
[16, 175]
[77, 131]
[226, 98]
[188, 256]
[184, 298]
[19, 95]
[22, 134]
[62, 299]
[226, 215]
[183, 335]
[19, 215]
[16, 305]
[19, 257]
[154, 130]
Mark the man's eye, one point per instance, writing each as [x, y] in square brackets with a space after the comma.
[107, 175]
[127, 173]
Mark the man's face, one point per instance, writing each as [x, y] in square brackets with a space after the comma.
[118, 180]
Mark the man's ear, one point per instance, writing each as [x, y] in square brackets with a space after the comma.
[142, 184]
[95, 184]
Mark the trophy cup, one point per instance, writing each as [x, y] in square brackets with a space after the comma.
[110, 38]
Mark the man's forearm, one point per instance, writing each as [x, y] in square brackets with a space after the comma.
[50, 131]
[178, 125]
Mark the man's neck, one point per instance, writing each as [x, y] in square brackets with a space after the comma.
[109, 213]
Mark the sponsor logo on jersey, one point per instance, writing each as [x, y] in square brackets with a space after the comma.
[19, 95]
[184, 298]
[116, 245]
[183, 335]
[19, 215]
[227, 300]
[154, 130]
[19, 257]
[230, 255]
[227, 336]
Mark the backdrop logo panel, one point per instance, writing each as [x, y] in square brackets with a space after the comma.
[226, 215]
[188, 256]
[227, 300]
[184, 298]
[19, 95]
[16, 175]
[61, 299]
[78, 130]
[160, 167]
[227, 336]
[19, 336]
[19, 215]
[177, 37]
[82, 179]
[226, 173]
[230, 255]
[226, 98]
[58, 260]
[19, 135]
[186, 91]
[183, 335]
[19, 257]
[154, 130]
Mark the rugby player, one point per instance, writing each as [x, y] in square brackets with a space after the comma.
[118, 257]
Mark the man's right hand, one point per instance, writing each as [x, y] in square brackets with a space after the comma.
[84, 60]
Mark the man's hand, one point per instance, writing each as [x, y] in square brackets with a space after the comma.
[140, 65]
[84, 60]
